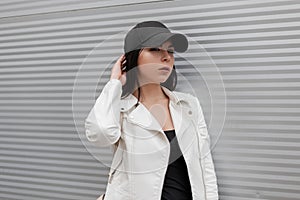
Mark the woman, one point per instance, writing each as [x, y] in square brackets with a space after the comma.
[160, 139]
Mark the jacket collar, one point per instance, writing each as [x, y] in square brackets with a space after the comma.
[180, 110]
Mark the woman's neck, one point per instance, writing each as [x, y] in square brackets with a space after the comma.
[151, 93]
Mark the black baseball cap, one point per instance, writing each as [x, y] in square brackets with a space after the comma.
[153, 34]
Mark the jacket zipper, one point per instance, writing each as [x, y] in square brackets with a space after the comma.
[114, 171]
[198, 144]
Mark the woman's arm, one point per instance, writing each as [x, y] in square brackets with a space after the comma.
[103, 122]
[210, 179]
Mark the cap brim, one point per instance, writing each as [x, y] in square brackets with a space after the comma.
[179, 41]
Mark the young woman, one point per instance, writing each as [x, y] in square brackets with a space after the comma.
[160, 139]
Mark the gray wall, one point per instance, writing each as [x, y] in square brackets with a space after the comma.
[243, 64]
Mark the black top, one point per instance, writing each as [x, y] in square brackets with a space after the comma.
[176, 184]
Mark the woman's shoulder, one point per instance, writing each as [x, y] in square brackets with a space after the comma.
[187, 97]
[191, 101]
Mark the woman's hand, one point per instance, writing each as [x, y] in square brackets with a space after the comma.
[116, 71]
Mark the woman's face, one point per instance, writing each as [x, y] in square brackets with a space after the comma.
[155, 64]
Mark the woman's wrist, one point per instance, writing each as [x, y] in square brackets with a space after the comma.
[115, 77]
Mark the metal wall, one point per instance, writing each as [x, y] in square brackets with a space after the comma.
[51, 64]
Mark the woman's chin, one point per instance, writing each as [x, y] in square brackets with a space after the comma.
[163, 80]
[158, 80]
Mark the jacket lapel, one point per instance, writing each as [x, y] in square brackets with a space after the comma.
[181, 120]
[141, 116]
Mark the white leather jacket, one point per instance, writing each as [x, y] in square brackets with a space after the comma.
[142, 149]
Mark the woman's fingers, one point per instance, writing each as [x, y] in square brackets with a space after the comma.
[118, 64]
[117, 71]
[123, 78]
[123, 68]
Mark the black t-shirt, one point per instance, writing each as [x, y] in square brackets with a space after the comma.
[176, 184]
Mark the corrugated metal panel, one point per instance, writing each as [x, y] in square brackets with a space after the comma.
[11, 8]
[49, 83]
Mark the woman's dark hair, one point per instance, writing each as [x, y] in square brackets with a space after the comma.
[132, 77]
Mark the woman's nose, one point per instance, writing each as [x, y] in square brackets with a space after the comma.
[165, 55]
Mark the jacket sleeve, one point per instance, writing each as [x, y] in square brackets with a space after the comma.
[102, 125]
[210, 179]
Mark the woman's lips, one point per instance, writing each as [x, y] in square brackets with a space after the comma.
[165, 69]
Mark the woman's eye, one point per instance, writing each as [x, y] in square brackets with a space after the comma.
[154, 49]
[171, 51]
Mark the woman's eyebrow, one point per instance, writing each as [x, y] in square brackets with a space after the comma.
[170, 46]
